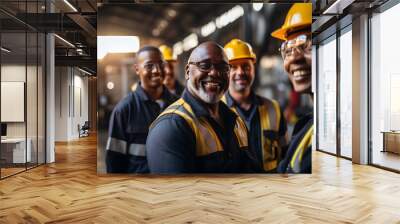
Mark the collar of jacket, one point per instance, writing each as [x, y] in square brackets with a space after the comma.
[200, 111]
[166, 95]
[231, 102]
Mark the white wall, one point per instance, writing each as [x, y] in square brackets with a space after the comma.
[61, 103]
[71, 93]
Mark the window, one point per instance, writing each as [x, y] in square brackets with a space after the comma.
[345, 42]
[327, 95]
[385, 89]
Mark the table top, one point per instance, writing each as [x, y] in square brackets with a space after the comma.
[391, 132]
[13, 140]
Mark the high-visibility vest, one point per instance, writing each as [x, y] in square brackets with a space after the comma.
[270, 117]
[207, 141]
[306, 142]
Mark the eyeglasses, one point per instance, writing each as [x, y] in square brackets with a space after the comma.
[302, 43]
[206, 66]
[151, 66]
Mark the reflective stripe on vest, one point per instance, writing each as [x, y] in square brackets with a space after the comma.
[297, 157]
[121, 146]
[207, 141]
[270, 115]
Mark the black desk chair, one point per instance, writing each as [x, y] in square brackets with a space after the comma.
[84, 130]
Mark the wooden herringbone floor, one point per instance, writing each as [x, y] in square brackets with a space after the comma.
[70, 191]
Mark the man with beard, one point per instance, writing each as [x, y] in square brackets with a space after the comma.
[296, 54]
[133, 115]
[199, 133]
[170, 80]
[262, 116]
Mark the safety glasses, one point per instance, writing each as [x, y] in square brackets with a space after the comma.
[301, 43]
[206, 66]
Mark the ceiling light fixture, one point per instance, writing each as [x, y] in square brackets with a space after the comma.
[190, 42]
[5, 50]
[171, 13]
[230, 16]
[70, 5]
[84, 71]
[156, 32]
[337, 7]
[257, 6]
[208, 29]
[64, 40]
[178, 48]
[110, 85]
[163, 23]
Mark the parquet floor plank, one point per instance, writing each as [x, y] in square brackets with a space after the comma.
[70, 191]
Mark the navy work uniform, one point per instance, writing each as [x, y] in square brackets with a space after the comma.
[267, 129]
[298, 156]
[186, 139]
[129, 124]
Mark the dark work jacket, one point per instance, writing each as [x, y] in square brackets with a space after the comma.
[299, 131]
[129, 125]
[171, 144]
[252, 120]
[178, 88]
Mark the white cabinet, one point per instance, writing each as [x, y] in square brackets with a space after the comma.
[19, 155]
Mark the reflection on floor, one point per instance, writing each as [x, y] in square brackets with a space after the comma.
[10, 169]
[101, 151]
[70, 191]
[386, 159]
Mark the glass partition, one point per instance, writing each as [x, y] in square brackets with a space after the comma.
[22, 88]
[13, 105]
[327, 95]
[31, 98]
[41, 96]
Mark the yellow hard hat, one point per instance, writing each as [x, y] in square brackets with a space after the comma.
[237, 49]
[167, 53]
[298, 17]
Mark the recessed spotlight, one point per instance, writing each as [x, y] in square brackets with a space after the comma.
[156, 32]
[171, 13]
[257, 6]
[110, 85]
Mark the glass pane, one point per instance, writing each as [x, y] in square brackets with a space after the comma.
[31, 98]
[13, 87]
[41, 98]
[327, 96]
[346, 94]
[385, 84]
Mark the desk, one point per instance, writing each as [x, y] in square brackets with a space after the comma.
[391, 141]
[15, 148]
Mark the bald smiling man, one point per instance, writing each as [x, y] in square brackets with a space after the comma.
[198, 133]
